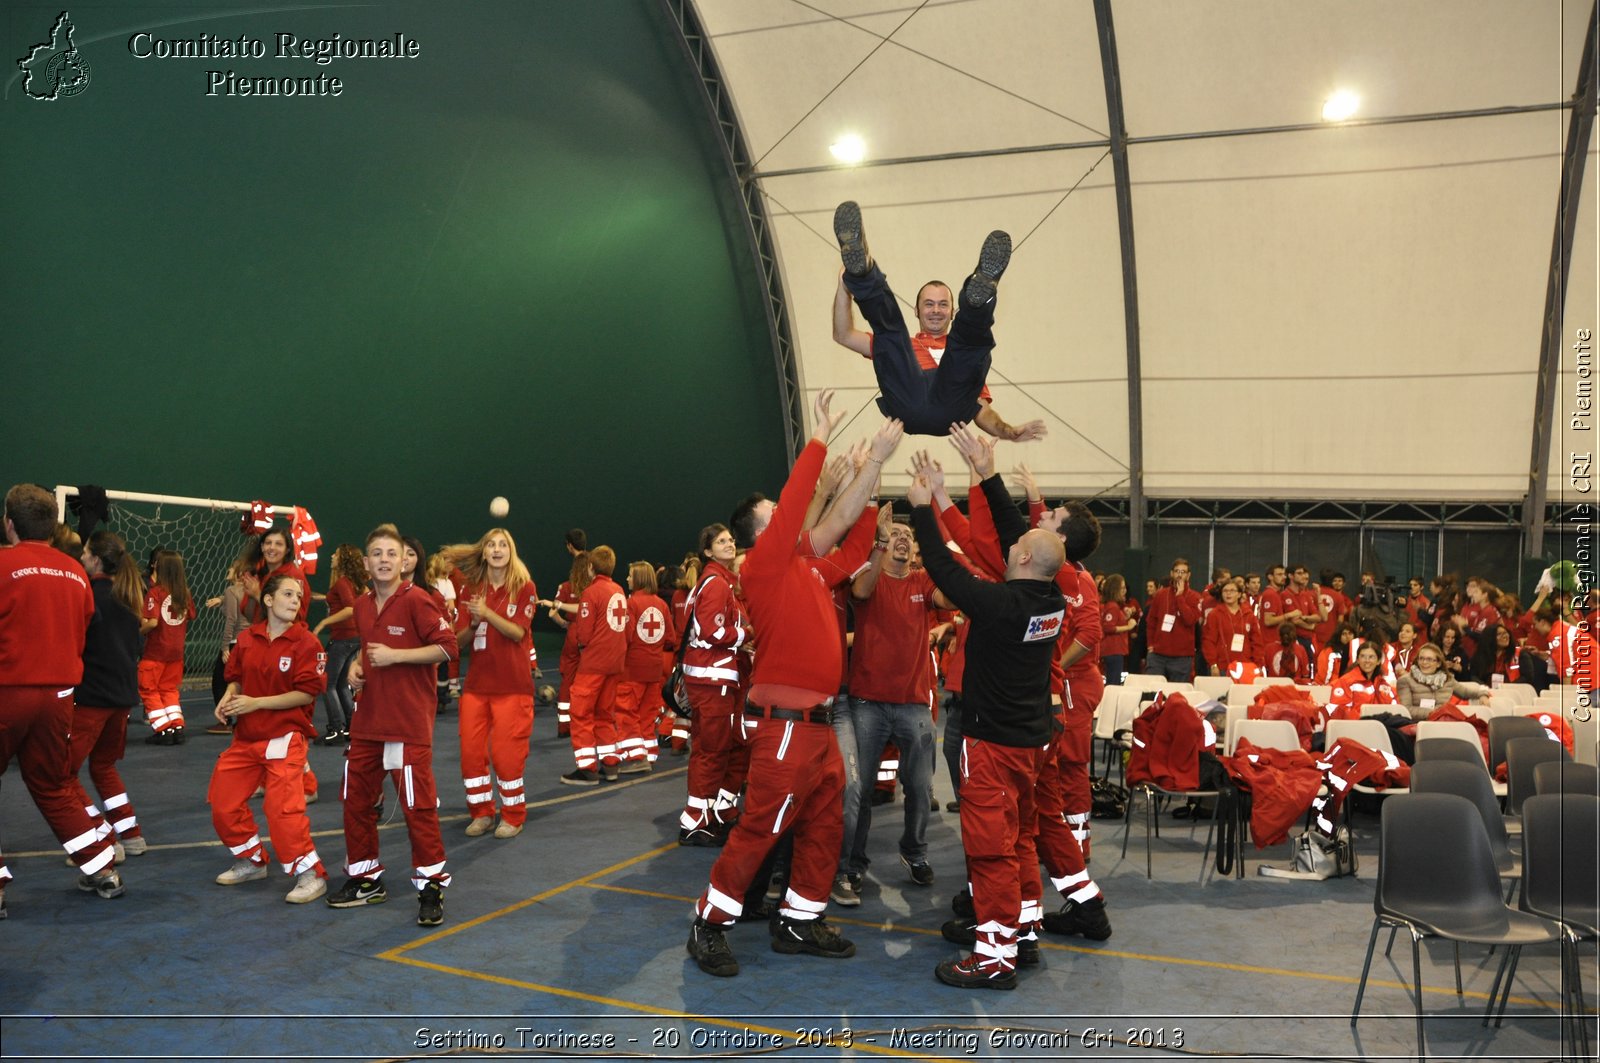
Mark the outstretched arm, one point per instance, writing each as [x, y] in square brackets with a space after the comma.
[992, 423]
[852, 500]
[845, 332]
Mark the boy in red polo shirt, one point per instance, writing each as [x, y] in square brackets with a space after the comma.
[404, 637]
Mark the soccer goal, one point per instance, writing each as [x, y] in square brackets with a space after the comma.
[205, 531]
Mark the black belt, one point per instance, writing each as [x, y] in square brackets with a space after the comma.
[815, 714]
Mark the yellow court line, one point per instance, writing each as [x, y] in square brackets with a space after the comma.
[582, 795]
[395, 953]
[1177, 961]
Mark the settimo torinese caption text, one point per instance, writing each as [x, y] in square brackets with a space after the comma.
[318, 52]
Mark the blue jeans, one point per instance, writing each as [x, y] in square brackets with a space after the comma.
[952, 739]
[844, 730]
[1177, 669]
[910, 727]
[338, 704]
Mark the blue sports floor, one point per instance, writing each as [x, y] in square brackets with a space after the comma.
[568, 943]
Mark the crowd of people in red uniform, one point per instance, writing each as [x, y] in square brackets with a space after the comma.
[1312, 632]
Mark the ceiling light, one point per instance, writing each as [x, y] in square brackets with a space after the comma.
[1340, 106]
[849, 149]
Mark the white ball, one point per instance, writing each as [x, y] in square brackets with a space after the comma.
[498, 506]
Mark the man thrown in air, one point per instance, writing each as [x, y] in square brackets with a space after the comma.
[935, 378]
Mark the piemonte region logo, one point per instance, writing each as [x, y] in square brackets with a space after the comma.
[55, 69]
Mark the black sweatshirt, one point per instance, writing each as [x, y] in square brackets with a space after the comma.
[110, 653]
[1005, 694]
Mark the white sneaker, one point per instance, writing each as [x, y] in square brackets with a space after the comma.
[136, 845]
[242, 871]
[308, 887]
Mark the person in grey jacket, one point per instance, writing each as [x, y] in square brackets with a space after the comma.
[1426, 685]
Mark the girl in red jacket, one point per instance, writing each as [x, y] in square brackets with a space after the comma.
[168, 609]
[1362, 685]
[650, 632]
[274, 675]
[495, 625]
[717, 632]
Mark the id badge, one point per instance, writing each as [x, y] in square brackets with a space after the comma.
[1237, 644]
[480, 641]
[278, 748]
[1168, 620]
[1427, 703]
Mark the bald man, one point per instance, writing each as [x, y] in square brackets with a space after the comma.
[1006, 720]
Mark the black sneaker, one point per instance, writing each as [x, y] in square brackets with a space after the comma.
[108, 884]
[759, 911]
[1028, 951]
[811, 936]
[844, 893]
[985, 279]
[973, 973]
[178, 736]
[357, 893]
[329, 739]
[609, 772]
[962, 905]
[1087, 918]
[953, 806]
[699, 837]
[852, 238]
[581, 777]
[430, 905]
[709, 947]
[921, 871]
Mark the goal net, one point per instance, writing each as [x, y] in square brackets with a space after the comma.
[205, 531]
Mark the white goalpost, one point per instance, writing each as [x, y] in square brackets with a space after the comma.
[205, 531]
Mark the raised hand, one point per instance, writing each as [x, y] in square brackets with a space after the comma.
[919, 493]
[1028, 432]
[1022, 476]
[977, 449]
[826, 421]
[885, 440]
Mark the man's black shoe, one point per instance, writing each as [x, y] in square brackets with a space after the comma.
[852, 238]
[1087, 918]
[709, 947]
[700, 837]
[920, 871]
[811, 936]
[992, 262]
[963, 932]
[430, 905]
[961, 904]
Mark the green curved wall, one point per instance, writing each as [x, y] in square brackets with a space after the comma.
[506, 267]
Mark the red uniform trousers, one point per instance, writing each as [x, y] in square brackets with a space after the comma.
[100, 736]
[35, 724]
[718, 760]
[568, 666]
[495, 729]
[639, 706]
[366, 761]
[1057, 842]
[796, 785]
[998, 825]
[158, 690]
[242, 768]
[594, 720]
[1077, 752]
